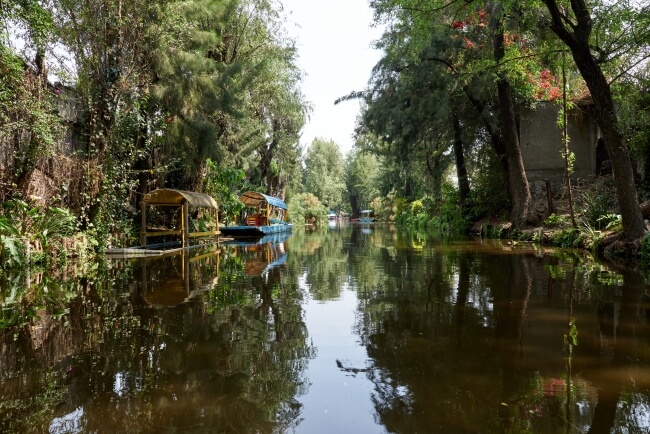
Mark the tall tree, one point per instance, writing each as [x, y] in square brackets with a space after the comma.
[517, 180]
[574, 26]
[361, 179]
[324, 172]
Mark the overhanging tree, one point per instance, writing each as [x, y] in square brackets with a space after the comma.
[574, 25]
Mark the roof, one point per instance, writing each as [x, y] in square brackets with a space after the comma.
[165, 196]
[253, 198]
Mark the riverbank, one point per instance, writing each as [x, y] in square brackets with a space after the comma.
[559, 231]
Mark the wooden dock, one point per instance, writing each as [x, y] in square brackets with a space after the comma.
[161, 249]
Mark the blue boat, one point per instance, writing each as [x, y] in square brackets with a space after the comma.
[367, 216]
[266, 215]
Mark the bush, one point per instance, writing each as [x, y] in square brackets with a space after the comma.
[555, 220]
[442, 216]
[305, 207]
[48, 233]
[595, 207]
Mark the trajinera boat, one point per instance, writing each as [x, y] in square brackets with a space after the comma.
[367, 216]
[263, 215]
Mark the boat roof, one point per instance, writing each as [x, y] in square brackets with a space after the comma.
[366, 211]
[253, 198]
[167, 196]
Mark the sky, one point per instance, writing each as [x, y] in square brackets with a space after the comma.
[334, 40]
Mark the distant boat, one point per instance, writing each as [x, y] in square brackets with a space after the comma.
[332, 216]
[266, 216]
[367, 216]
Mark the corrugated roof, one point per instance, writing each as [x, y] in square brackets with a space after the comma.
[166, 196]
[253, 198]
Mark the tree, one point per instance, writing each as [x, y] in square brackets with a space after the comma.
[361, 179]
[29, 126]
[574, 26]
[517, 180]
[324, 172]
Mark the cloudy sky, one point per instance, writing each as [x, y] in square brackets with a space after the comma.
[334, 43]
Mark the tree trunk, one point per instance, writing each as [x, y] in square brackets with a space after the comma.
[461, 168]
[578, 43]
[517, 180]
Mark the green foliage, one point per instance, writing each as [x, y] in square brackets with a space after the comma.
[29, 126]
[222, 184]
[47, 232]
[555, 220]
[10, 243]
[612, 222]
[488, 197]
[306, 208]
[595, 208]
[361, 179]
[572, 237]
[324, 173]
[441, 216]
[388, 207]
[644, 250]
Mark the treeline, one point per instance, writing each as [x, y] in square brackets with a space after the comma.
[102, 101]
[446, 98]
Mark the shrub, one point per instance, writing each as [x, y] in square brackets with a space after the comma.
[555, 220]
[304, 207]
[596, 206]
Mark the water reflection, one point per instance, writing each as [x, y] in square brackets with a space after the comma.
[348, 328]
[157, 345]
[264, 254]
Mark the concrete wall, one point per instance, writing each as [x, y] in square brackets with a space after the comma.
[541, 142]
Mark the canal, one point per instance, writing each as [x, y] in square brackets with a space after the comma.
[351, 329]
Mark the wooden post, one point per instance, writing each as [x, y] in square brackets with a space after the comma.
[182, 224]
[186, 223]
[549, 198]
[143, 223]
[216, 227]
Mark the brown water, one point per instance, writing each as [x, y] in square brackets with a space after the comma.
[349, 330]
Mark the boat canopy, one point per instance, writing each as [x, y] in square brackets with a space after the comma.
[253, 198]
[165, 196]
[366, 211]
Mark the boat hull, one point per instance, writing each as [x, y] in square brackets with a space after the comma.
[254, 231]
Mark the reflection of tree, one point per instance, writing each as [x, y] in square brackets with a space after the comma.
[114, 364]
[510, 304]
[320, 255]
[456, 337]
[463, 341]
[617, 407]
[410, 325]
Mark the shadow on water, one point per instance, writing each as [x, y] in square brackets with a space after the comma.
[446, 335]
